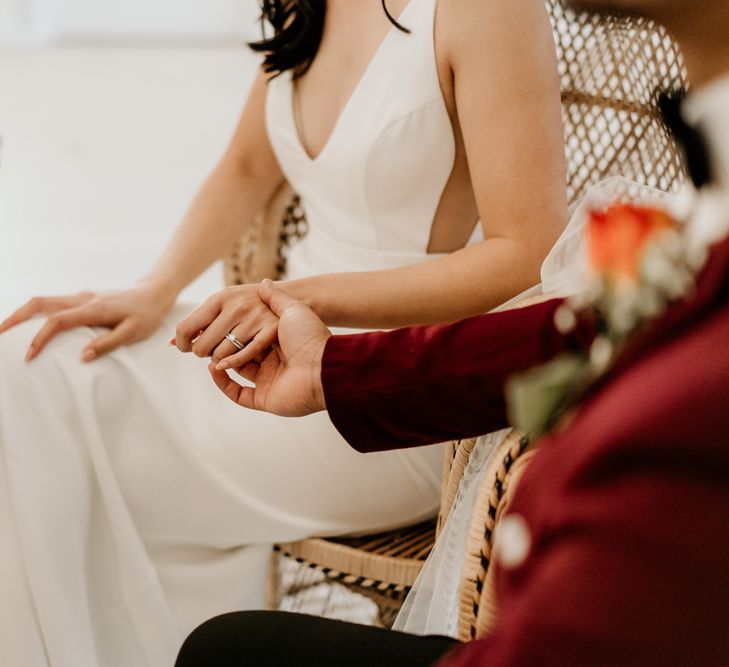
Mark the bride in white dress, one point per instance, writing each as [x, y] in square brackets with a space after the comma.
[135, 501]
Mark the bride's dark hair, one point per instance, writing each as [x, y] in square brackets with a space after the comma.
[297, 29]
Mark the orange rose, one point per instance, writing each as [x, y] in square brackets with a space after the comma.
[618, 237]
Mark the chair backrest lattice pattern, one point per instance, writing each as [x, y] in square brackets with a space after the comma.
[612, 70]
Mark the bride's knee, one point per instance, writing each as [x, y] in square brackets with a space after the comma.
[15, 342]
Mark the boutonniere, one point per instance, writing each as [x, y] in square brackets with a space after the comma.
[637, 265]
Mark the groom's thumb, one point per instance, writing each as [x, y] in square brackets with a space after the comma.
[274, 298]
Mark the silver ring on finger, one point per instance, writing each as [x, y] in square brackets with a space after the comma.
[233, 339]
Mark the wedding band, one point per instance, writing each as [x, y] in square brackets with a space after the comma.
[231, 337]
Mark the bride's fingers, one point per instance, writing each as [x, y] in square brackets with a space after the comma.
[244, 396]
[25, 312]
[253, 350]
[62, 321]
[188, 330]
[214, 337]
[123, 333]
[43, 305]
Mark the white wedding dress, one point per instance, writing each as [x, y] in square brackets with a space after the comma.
[135, 500]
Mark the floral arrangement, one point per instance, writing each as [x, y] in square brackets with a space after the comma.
[638, 264]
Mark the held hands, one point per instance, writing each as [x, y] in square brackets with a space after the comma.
[287, 376]
[131, 315]
[287, 373]
[238, 310]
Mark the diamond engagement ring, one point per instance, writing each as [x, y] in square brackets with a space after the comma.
[231, 337]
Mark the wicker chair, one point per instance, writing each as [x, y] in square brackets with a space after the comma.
[612, 70]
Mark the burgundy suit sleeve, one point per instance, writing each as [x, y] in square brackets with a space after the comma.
[422, 385]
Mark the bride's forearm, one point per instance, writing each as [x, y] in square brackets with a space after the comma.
[225, 204]
[467, 282]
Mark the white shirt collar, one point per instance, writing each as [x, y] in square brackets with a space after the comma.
[708, 108]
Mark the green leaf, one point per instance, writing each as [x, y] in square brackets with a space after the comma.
[538, 397]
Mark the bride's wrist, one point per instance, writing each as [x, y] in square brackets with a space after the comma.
[307, 291]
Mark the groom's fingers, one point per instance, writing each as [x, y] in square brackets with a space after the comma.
[277, 300]
[243, 396]
[255, 349]
[249, 371]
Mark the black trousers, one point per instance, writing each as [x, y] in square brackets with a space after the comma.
[280, 639]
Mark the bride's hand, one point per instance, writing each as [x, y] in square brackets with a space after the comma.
[288, 378]
[131, 314]
[238, 310]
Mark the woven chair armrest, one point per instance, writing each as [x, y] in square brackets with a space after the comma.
[477, 609]
[394, 557]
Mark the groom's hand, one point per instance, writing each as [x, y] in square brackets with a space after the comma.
[288, 378]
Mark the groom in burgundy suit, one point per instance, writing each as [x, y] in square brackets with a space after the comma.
[624, 512]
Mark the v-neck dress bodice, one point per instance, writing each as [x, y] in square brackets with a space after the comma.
[371, 194]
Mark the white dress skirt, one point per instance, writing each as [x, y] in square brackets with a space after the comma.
[136, 501]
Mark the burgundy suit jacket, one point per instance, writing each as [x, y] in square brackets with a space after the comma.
[627, 507]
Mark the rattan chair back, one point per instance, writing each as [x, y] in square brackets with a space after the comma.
[612, 70]
[262, 249]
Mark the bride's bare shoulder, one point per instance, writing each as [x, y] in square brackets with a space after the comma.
[492, 28]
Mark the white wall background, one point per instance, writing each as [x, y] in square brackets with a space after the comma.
[103, 147]
[126, 20]
[102, 151]
[18, 21]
